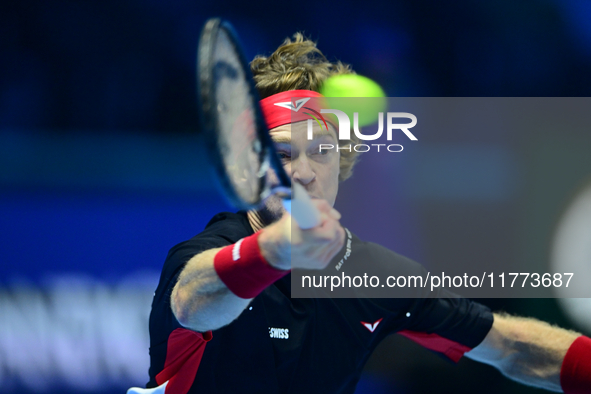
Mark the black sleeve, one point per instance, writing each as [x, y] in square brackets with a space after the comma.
[448, 324]
[223, 229]
[440, 321]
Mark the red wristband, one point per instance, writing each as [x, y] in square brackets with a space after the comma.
[575, 374]
[244, 270]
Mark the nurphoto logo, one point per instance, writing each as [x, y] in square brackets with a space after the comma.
[344, 130]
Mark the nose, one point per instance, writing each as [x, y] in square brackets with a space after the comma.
[302, 171]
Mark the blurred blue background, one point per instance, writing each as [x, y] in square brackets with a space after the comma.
[101, 170]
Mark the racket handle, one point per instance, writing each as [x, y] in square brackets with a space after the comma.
[301, 208]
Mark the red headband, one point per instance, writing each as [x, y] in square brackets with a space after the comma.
[281, 108]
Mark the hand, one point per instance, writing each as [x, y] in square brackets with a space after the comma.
[286, 246]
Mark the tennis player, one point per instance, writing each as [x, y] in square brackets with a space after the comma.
[222, 319]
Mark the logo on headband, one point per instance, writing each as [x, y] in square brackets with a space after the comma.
[300, 104]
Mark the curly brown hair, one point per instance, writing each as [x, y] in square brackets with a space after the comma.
[299, 64]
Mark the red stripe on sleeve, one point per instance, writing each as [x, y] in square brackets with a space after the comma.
[183, 355]
[451, 349]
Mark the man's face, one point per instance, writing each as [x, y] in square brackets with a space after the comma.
[317, 171]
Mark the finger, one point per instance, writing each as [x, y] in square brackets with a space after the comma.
[322, 205]
[331, 224]
[339, 240]
[331, 252]
[333, 213]
[332, 238]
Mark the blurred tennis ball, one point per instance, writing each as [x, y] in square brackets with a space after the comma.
[352, 93]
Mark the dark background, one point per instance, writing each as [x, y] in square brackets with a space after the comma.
[101, 171]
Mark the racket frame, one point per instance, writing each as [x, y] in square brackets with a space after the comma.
[210, 121]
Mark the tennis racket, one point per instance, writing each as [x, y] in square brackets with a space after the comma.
[241, 151]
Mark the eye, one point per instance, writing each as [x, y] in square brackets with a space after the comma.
[316, 151]
[283, 155]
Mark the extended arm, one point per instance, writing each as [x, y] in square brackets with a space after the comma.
[526, 350]
[201, 301]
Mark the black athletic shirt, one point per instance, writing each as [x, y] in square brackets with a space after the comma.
[314, 345]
